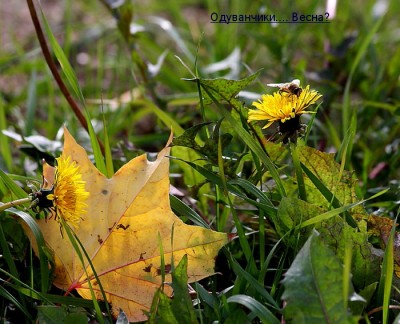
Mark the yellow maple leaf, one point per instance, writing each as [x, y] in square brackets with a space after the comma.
[120, 229]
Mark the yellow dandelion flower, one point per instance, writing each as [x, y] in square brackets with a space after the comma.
[282, 106]
[285, 107]
[69, 197]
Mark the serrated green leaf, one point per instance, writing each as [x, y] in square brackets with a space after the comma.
[223, 89]
[324, 167]
[188, 138]
[291, 213]
[327, 184]
[334, 232]
[210, 148]
[329, 196]
[365, 265]
[331, 213]
[313, 286]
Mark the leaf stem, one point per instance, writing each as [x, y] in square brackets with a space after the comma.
[299, 174]
[14, 203]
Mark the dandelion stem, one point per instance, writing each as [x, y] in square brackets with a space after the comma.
[14, 203]
[299, 174]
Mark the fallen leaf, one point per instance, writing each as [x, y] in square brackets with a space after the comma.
[125, 217]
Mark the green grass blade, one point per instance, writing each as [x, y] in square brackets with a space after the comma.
[12, 186]
[182, 152]
[62, 59]
[107, 151]
[253, 283]
[333, 133]
[239, 227]
[261, 198]
[25, 289]
[338, 211]
[345, 149]
[213, 178]
[5, 147]
[210, 299]
[167, 119]
[249, 140]
[37, 234]
[252, 189]
[263, 313]
[311, 123]
[361, 52]
[6, 254]
[348, 254]
[77, 244]
[98, 155]
[223, 194]
[271, 254]
[45, 297]
[261, 236]
[31, 104]
[48, 299]
[162, 260]
[299, 174]
[329, 196]
[8, 296]
[385, 282]
[180, 208]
